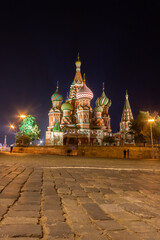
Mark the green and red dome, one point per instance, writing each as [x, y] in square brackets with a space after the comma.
[56, 96]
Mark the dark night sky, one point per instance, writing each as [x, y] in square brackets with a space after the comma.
[119, 44]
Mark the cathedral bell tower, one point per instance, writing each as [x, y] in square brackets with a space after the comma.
[127, 116]
[55, 112]
[76, 85]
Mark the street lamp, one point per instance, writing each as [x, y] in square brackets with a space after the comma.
[12, 126]
[22, 116]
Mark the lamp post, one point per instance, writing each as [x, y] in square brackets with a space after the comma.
[151, 121]
[13, 127]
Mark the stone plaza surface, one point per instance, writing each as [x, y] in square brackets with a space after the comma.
[54, 197]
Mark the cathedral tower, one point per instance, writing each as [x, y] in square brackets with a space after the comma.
[127, 116]
[55, 112]
[76, 84]
[104, 102]
[84, 110]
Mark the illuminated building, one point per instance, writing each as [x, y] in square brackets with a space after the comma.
[126, 118]
[74, 121]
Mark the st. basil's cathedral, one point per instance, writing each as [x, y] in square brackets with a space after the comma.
[75, 122]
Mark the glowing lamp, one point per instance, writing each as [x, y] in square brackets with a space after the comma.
[22, 116]
[151, 120]
[12, 126]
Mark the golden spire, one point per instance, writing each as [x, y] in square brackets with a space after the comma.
[126, 94]
[57, 87]
[78, 57]
[103, 86]
[84, 77]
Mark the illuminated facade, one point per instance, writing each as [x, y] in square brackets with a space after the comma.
[74, 121]
[126, 118]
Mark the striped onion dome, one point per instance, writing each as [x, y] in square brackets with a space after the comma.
[56, 96]
[84, 91]
[103, 100]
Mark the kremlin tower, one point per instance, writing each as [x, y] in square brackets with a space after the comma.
[126, 118]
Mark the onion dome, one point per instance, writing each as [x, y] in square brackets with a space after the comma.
[67, 106]
[57, 96]
[98, 109]
[103, 100]
[84, 92]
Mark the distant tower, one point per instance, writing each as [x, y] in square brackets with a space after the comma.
[76, 84]
[104, 102]
[5, 141]
[127, 116]
[84, 110]
[55, 112]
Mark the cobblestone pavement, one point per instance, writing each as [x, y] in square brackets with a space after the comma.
[81, 203]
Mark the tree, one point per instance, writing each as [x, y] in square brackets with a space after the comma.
[140, 128]
[22, 140]
[29, 128]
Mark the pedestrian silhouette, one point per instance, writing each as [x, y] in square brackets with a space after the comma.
[11, 148]
[124, 153]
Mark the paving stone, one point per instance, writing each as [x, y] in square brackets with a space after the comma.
[27, 230]
[140, 227]
[26, 207]
[6, 201]
[93, 236]
[155, 222]
[124, 216]
[149, 235]
[84, 200]
[79, 193]
[30, 199]
[139, 211]
[91, 189]
[3, 210]
[53, 216]
[9, 195]
[66, 191]
[110, 208]
[30, 214]
[109, 225]
[123, 235]
[60, 230]
[19, 220]
[106, 191]
[95, 212]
